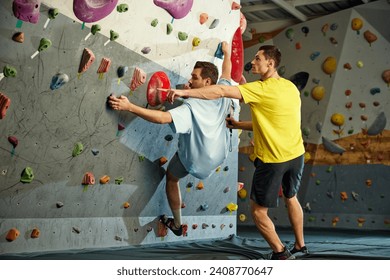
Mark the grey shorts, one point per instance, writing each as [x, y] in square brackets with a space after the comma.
[176, 168]
[269, 177]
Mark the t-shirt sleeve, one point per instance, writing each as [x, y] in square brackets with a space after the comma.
[181, 119]
[250, 92]
[223, 81]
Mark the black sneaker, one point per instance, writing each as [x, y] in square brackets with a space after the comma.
[285, 255]
[303, 250]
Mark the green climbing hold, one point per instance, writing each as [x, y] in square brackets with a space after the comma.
[154, 22]
[318, 182]
[53, 13]
[122, 8]
[78, 149]
[113, 35]
[95, 28]
[182, 36]
[169, 28]
[9, 71]
[330, 168]
[27, 175]
[119, 180]
[44, 44]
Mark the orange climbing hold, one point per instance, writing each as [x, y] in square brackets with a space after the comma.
[12, 234]
[335, 220]
[105, 179]
[369, 183]
[126, 205]
[163, 160]
[4, 105]
[203, 18]
[343, 196]
[35, 233]
[200, 185]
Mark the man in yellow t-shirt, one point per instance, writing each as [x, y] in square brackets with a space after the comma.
[276, 118]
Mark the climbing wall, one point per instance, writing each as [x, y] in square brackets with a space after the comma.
[340, 63]
[76, 174]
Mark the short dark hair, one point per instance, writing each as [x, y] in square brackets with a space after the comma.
[209, 70]
[272, 52]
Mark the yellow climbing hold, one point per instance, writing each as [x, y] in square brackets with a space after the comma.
[337, 119]
[231, 206]
[242, 193]
[329, 65]
[307, 157]
[242, 217]
[318, 93]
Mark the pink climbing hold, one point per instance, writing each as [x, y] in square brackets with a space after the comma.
[87, 59]
[159, 80]
[13, 140]
[104, 65]
[26, 10]
[88, 179]
[93, 10]
[176, 8]
[138, 79]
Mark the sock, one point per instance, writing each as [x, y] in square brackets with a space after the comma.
[177, 217]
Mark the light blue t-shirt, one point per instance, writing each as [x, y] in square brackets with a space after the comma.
[203, 136]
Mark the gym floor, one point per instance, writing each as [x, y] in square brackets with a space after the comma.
[246, 245]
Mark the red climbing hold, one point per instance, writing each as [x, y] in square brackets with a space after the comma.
[4, 105]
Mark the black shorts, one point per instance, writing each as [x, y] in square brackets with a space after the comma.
[176, 167]
[269, 177]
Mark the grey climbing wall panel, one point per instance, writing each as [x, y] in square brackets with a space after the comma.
[49, 123]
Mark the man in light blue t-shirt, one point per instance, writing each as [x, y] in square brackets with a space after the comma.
[203, 136]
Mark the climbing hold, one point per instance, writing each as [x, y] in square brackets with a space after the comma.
[300, 80]
[13, 140]
[154, 22]
[213, 225]
[44, 44]
[307, 207]
[138, 79]
[231, 206]
[141, 158]
[226, 168]
[324, 29]
[163, 160]
[318, 93]
[218, 52]
[27, 175]
[95, 152]
[204, 207]
[53, 13]
[298, 46]
[149, 229]
[122, 8]
[248, 66]
[343, 196]
[204, 226]
[76, 230]
[119, 180]
[290, 33]
[203, 17]
[329, 65]
[329, 169]
[242, 193]
[183, 205]
[104, 65]
[375, 90]
[27, 11]
[361, 221]
[378, 125]
[333, 40]
[314, 55]
[182, 36]
[222, 226]
[91, 11]
[12, 234]
[369, 36]
[337, 119]
[332, 147]
[87, 59]
[376, 103]
[146, 50]
[18, 37]
[88, 179]
[359, 64]
[176, 8]
[157, 81]
[104, 179]
[194, 226]
[305, 30]
[135, 229]
[386, 76]
[200, 185]
[9, 71]
[364, 117]
[348, 92]
[215, 23]
[355, 195]
[169, 28]
[356, 24]
[126, 205]
[59, 204]
[95, 28]
[58, 80]
[226, 190]
[35, 233]
[195, 42]
[318, 182]
[368, 182]
[118, 238]
[242, 217]
[113, 35]
[334, 26]
[77, 149]
[319, 127]
[189, 185]
[348, 105]
[307, 157]
[347, 66]
[335, 220]
[282, 70]
[121, 71]
[311, 219]
[306, 131]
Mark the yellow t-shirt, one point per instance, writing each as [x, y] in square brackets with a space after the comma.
[276, 116]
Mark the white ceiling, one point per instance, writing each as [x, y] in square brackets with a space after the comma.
[265, 16]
